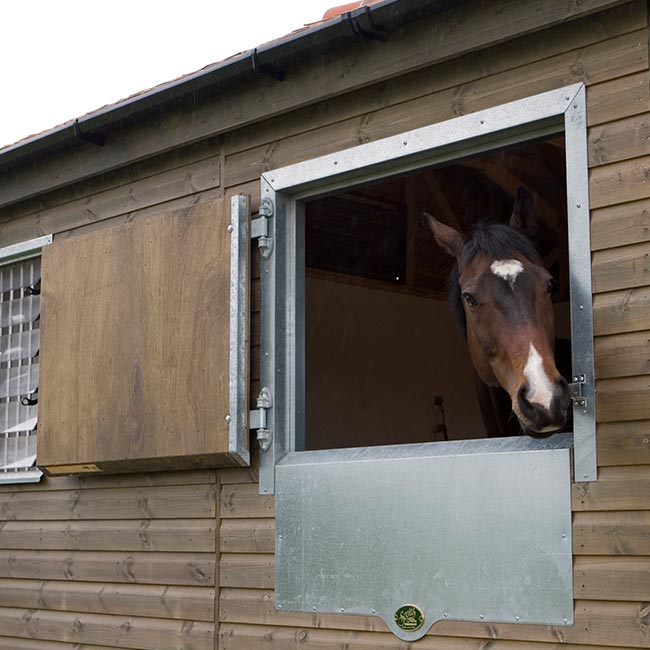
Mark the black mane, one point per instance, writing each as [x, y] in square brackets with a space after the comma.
[494, 240]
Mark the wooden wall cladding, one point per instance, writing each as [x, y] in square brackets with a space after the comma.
[135, 344]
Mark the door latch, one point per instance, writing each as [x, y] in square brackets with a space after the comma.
[576, 390]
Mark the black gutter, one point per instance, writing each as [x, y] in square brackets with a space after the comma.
[371, 22]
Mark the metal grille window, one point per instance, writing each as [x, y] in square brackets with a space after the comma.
[20, 281]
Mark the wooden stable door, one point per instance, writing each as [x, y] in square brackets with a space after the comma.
[135, 354]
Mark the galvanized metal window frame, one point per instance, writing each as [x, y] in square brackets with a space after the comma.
[20, 252]
[280, 228]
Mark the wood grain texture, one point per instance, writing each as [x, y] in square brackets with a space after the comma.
[623, 443]
[618, 225]
[125, 631]
[606, 99]
[627, 310]
[244, 500]
[622, 355]
[619, 140]
[165, 502]
[135, 358]
[623, 267]
[171, 602]
[612, 494]
[611, 533]
[190, 569]
[624, 398]
[612, 578]
[195, 535]
[619, 182]
[247, 535]
[596, 622]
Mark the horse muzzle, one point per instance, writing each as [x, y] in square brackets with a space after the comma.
[537, 418]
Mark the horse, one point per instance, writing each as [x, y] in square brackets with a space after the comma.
[500, 293]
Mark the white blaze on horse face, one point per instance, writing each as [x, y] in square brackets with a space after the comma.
[540, 387]
[507, 270]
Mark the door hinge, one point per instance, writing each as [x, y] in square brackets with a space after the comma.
[260, 228]
[258, 418]
[575, 390]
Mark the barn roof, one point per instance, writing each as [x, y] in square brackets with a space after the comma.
[341, 25]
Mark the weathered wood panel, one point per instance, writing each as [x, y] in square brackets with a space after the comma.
[150, 393]
[596, 622]
[244, 500]
[622, 355]
[606, 100]
[623, 267]
[191, 569]
[622, 311]
[623, 443]
[611, 533]
[623, 398]
[618, 225]
[165, 502]
[254, 570]
[612, 578]
[247, 535]
[196, 535]
[619, 182]
[612, 494]
[619, 140]
[597, 63]
[245, 637]
[187, 603]
[116, 631]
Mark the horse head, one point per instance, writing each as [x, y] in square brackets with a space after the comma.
[502, 295]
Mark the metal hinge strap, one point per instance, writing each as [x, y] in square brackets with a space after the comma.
[575, 390]
[260, 228]
[258, 418]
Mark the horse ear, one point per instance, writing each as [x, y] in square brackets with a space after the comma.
[451, 240]
[524, 214]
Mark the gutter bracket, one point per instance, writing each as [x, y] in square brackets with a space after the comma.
[265, 68]
[92, 138]
[372, 34]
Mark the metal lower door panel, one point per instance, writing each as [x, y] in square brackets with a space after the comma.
[472, 531]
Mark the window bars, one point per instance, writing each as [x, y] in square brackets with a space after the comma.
[20, 283]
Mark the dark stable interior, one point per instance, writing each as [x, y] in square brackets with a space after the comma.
[385, 362]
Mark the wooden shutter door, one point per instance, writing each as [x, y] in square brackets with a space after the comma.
[135, 352]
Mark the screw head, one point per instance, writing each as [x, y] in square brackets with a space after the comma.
[563, 535]
[230, 227]
[516, 618]
[228, 419]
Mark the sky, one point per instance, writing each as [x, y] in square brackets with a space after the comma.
[60, 59]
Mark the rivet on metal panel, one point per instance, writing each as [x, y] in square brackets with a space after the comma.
[481, 616]
[585, 476]
[578, 205]
[566, 620]
[230, 227]
[444, 614]
[373, 611]
[563, 535]
[516, 618]
[314, 608]
[342, 609]
[228, 419]
[279, 606]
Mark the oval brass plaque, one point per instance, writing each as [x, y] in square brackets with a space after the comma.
[409, 618]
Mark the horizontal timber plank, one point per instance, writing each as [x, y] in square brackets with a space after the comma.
[190, 569]
[462, 73]
[172, 602]
[619, 182]
[116, 631]
[14, 643]
[611, 494]
[607, 99]
[611, 578]
[244, 637]
[618, 225]
[196, 535]
[244, 500]
[473, 26]
[160, 502]
[623, 443]
[247, 535]
[611, 533]
[246, 570]
[596, 622]
[623, 267]
[622, 355]
[153, 191]
[596, 62]
[619, 140]
[112, 481]
[242, 474]
[623, 398]
[622, 311]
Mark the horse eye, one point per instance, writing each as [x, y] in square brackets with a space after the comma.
[469, 299]
[551, 286]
